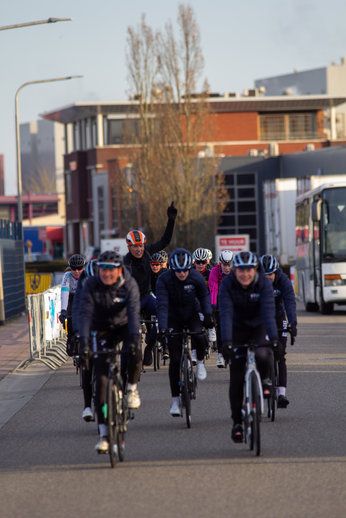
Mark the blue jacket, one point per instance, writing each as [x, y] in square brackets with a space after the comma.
[284, 296]
[247, 308]
[179, 300]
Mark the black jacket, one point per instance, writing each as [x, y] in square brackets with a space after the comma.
[140, 268]
[76, 301]
[154, 277]
[178, 300]
[284, 296]
[106, 308]
[247, 308]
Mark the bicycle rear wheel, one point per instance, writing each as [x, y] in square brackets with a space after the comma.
[159, 354]
[155, 356]
[271, 400]
[122, 416]
[93, 393]
[255, 416]
[112, 397]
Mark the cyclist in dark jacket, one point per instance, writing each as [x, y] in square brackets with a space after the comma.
[247, 312]
[285, 304]
[111, 307]
[138, 261]
[181, 294]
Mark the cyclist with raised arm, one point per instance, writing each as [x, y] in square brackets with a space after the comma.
[181, 295]
[111, 307]
[90, 270]
[217, 274]
[247, 313]
[285, 304]
[68, 288]
[138, 261]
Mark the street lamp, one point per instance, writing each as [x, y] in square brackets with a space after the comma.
[19, 166]
[50, 20]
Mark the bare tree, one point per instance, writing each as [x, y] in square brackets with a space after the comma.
[167, 130]
[41, 179]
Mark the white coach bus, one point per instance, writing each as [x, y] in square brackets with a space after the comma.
[321, 247]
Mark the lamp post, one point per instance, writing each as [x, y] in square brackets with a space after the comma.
[19, 167]
[50, 20]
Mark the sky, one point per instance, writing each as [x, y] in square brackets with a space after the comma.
[241, 42]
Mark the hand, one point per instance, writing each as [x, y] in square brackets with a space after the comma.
[226, 349]
[172, 212]
[163, 334]
[209, 321]
[85, 352]
[293, 329]
[63, 316]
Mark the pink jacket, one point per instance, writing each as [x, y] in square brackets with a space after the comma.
[215, 279]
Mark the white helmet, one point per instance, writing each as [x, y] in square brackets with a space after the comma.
[226, 257]
[210, 255]
[200, 254]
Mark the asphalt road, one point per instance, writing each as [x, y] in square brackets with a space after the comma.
[48, 466]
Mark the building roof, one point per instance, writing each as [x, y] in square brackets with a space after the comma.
[78, 111]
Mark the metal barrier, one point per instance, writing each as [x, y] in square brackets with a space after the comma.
[46, 334]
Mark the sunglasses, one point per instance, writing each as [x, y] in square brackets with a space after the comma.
[201, 262]
[77, 269]
[110, 266]
[155, 264]
[184, 270]
[244, 267]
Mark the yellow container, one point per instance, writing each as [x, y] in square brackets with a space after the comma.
[37, 282]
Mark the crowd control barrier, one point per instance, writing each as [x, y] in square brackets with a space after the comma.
[46, 334]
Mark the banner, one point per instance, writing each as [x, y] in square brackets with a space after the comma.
[52, 306]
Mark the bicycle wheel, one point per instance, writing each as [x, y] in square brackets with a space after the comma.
[112, 397]
[271, 400]
[159, 354]
[155, 356]
[255, 416]
[122, 416]
[93, 393]
[187, 394]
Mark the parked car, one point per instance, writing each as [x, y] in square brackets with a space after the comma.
[92, 252]
[38, 257]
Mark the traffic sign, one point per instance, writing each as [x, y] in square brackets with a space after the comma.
[235, 243]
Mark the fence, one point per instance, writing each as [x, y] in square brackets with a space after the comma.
[47, 342]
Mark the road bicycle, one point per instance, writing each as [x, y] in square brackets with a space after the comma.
[187, 376]
[115, 410]
[157, 347]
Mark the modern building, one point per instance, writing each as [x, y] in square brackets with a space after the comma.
[94, 151]
[330, 80]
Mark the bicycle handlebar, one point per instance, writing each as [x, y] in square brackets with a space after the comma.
[187, 333]
[288, 330]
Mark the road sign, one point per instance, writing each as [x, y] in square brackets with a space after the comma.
[235, 243]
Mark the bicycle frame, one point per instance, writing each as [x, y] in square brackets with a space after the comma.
[251, 367]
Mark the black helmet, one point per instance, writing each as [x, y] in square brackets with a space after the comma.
[76, 261]
[91, 268]
[180, 260]
[245, 259]
[270, 263]
[164, 255]
[110, 257]
[156, 258]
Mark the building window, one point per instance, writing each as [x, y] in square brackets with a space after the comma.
[100, 208]
[69, 231]
[94, 138]
[288, 126]
[114, 131]
[68, 188]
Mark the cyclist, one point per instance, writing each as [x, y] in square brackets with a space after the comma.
[200, 260]
[68, 287]
[247, 312]
[216, 276]
[111, 306]
[164, 254]
[210, 257]
[156, 261]
[138, 260]
[181, 294]
[285, 303]
[90, 270]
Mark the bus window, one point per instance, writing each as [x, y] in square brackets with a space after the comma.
[334, 223]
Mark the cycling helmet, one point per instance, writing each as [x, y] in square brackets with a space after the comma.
[245, 259]
[91, 268]
[76, 261]
[210, 255]
[270, 263]
[180, 260]
[164, 255]
[156, 258]
[111, 257]
[201, 254]
[136, 237]
[226, 257]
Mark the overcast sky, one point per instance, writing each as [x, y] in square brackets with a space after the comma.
[241, 41]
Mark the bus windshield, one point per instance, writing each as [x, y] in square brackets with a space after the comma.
[334, 224]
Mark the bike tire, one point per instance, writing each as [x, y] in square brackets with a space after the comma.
[273, 396]
[155, 356]
[112, 402]
[159, 354]
[256, 414]
[187, 394]
[93, 393]
[122, 416]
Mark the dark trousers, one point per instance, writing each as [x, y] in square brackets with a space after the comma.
[194, 324]
[238, 365]
[281, 323]
[148, 304]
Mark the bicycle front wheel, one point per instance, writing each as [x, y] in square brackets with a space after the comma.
[187, 394]
[122, 418]
[255, 411]
[271, 400]
[112, 396]
[155, 356]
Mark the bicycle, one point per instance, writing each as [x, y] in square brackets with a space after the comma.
[157, 347]
[187, 376]
[115, 410]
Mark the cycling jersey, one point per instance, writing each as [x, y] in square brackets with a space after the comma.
[154, 277]
[68, 287]
[215, 278]
[76, 301]
[205, 274]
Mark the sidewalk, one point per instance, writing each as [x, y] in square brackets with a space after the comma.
[14, 344]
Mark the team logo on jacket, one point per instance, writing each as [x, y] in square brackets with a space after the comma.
[254, 297]
[189, 287]
[118, 299]
[277, 293]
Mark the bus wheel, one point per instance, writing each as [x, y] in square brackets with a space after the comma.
[327, 308]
